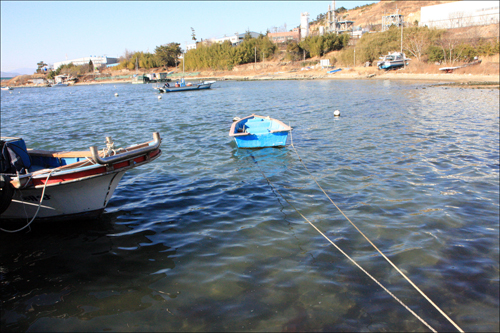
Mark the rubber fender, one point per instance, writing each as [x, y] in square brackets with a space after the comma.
[6, 193]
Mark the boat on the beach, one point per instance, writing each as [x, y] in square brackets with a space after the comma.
[451, 69]
[60, 84]
[258, 132]
[183, 86]
[393, 61]
[54, 185]
[334, 71]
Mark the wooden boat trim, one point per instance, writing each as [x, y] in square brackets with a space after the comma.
[74, 153]
[57, 154]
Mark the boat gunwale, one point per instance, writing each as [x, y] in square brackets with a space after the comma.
[131, 157]
[40, 179]
[252, 116]
[54, 181]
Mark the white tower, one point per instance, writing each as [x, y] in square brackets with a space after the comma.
[304, 25]
[332, 19]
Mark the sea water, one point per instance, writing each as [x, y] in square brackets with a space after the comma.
[208, 238]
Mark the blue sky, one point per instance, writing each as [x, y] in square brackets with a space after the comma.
[33, 31]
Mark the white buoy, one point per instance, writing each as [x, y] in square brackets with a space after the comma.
[116, 94]
[336, 113]
[236, 118]
[159, 97]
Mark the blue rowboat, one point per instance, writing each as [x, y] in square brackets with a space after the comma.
[258, 132]
[334, 71]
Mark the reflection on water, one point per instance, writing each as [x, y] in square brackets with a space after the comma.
[198, 240]
[51, 272]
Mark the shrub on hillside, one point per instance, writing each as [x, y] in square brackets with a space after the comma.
[319, 45]
[224, 56]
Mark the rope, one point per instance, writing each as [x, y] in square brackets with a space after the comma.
[36, 213]
[345, 254]
[374, 246]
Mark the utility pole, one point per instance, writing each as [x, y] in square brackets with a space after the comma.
[255, 54]
[354, 58]
[404, 57]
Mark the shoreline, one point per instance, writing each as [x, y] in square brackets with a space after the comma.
[464, 80]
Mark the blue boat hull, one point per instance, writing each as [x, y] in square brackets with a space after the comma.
[391, 66]
[259, 132]
[185, 88]
[262, 140]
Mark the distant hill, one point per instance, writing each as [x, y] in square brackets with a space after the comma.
[8, 74]
[17, 72]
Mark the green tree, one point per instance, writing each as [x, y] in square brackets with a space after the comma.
[371, 46]
[168, 54]
[434, 53]
[40, 65]
[319, 45]
[293, 51]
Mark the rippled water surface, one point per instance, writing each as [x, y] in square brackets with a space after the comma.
[200, 240]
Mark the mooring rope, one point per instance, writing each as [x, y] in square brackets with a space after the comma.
[369, 241]
[39, 205]
[345, 254]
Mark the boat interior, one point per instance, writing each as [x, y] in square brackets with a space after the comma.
[257, 125]
[34, 160]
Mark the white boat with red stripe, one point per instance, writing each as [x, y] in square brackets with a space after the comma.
[53, 185]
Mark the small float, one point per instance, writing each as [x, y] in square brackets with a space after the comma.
[258, 132]
[55, 185]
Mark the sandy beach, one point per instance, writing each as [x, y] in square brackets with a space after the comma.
[275, 72]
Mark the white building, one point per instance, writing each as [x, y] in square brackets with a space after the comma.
[304, 25]
[190, 46]
[96, 61]
[233, 39]
[460, 14]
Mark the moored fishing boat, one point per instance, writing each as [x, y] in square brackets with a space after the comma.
[7, 88]
[183, 86]
[258, 132]
[56, 185]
